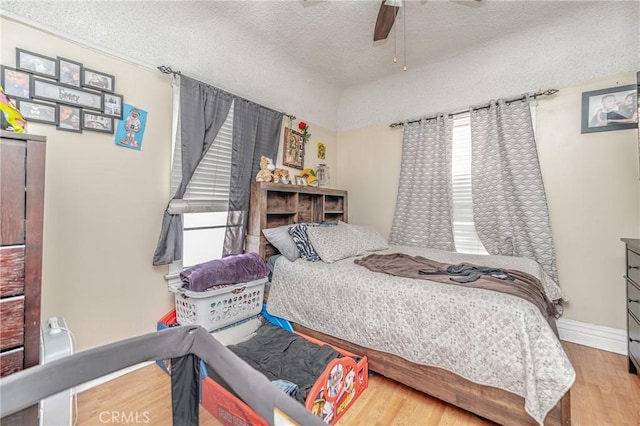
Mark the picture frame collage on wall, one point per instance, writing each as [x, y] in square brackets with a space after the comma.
[62, 92]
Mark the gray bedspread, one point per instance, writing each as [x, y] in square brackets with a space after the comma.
[489, 338]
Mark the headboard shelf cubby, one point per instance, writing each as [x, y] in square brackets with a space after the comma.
[275, 204]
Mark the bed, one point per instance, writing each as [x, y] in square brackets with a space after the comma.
[489, 353]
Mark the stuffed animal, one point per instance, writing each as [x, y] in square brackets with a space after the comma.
[281, 176]
[266, 168]
[11, 118]
[310, 177]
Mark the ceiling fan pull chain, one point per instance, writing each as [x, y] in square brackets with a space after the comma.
[395, 39]
[404, 30]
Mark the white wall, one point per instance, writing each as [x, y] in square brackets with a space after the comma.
[592, 188]
[591, 181]
[110, 291]
[318, 134]
[103, 204]
[600, 41]
[221, 54]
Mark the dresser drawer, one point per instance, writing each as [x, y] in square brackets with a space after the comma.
[12, 320]
[12, 267]
[634, 339]
[11, 361]
[633, 300]
[633, 266]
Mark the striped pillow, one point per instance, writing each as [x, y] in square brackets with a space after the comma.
[299, 235]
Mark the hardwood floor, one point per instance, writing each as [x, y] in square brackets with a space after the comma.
[604, 394]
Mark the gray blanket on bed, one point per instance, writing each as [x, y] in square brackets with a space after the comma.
[523, 285]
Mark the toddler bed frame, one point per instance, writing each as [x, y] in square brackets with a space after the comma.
[333, 393]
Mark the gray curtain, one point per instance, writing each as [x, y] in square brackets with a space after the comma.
[424, 207]
[256, 132]
[509, 203]
[203, 110]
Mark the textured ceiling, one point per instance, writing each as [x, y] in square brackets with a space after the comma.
[333, 39]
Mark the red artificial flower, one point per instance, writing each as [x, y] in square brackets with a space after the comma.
[302, 125]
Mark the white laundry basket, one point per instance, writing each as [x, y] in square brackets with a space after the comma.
[213, 309]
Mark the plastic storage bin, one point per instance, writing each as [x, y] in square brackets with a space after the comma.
[214, 309]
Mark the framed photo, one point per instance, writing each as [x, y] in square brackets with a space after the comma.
[113, 105]
[97, 122]
[98, 80]
[16, 84]
[38, 112]
[69, 72]
[638, 101]
[300, 180]
[610, 109]
[36, 64]
[293, 150]
[51, 91]
[69, 118]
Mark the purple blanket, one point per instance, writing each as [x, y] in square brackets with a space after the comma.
[229, 270]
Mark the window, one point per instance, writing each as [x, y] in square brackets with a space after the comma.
[464, 231]
[205, 202]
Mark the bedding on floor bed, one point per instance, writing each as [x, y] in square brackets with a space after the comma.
[283, 356]
[489, 338]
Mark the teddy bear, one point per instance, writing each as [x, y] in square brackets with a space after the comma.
[281, 176]
[266, 168]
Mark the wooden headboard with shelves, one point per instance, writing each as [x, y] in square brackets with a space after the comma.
[276, 204]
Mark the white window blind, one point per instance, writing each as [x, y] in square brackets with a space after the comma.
[464, 231]
[209, 187]
[204, 204]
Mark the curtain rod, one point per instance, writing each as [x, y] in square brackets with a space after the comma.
[168, 70]
[547, 92]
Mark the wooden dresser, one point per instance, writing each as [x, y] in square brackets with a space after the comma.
[276, 204]
[22, 162]
[633, 303]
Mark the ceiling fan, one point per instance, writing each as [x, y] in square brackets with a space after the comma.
[389, 10]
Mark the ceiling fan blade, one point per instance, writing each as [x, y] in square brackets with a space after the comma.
[386, 18]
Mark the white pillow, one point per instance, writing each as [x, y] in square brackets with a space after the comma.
[334, 243]
[281, 240]
[369, 238]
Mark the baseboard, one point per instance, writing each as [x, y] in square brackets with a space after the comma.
[595, 336]
[104, 379]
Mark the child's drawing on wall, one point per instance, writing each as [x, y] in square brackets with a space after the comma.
[131, 127]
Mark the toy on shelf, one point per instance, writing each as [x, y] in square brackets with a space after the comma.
[266, 170]
[310, 177]
[11, 118]
[281, 176]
